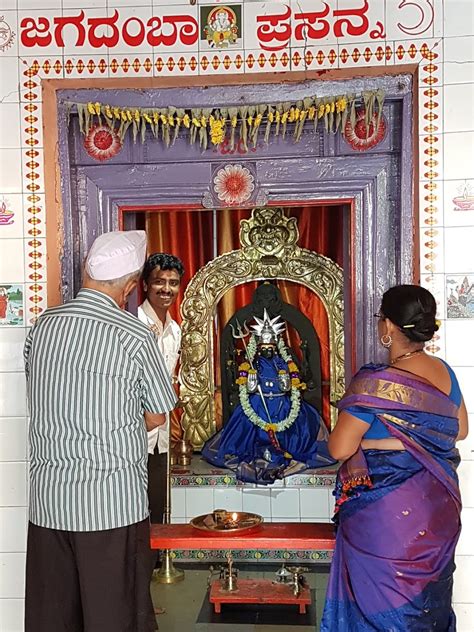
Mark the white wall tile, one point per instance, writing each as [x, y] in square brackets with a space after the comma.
[12, 615]
[314, 503]
[458, 155]
[458, 60]
[458, 249]
[464, 616]
[48, 4]
[82, 4]
[13, 438]
[463, 590]
[178, 501]
[257, 501]
[10, 128]
[228, 498]
[466, 482]
[459, 342]
[458, 17]
[10, 171]
[13, 485]
[13, 395]
[12, 342]
[285, 503]
[199, 501]
[466, 542]
[12, 575]
[458, 117]
[12, 268]
[465, 377]
[14, 521]
[9, 83]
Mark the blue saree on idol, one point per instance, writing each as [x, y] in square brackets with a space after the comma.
[273, 432]
[398, 511]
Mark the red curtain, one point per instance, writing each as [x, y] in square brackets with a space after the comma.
[190, 235]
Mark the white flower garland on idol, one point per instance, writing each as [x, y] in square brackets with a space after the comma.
[295, 397]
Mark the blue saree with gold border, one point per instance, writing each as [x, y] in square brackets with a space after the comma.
[398, 512]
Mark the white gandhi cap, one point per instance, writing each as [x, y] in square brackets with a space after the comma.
[115, 254]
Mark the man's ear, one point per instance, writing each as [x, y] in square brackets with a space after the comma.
[128, 288]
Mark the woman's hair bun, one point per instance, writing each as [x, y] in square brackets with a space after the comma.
[413, 309]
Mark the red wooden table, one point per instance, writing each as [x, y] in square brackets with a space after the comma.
[296, 536]
[260, 591]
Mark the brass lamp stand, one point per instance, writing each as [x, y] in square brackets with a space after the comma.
[167, 573]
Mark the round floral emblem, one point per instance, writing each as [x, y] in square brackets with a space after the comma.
[7, 36]
[234, 184]
[361, 136]
[102, 143]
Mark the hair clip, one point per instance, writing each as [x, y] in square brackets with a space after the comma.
[438, 323]
[407, 326]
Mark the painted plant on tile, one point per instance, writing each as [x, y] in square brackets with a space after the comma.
[11, 305]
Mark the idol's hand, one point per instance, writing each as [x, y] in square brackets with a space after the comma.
[252, 383]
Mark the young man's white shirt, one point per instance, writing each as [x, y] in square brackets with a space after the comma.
[169, 342]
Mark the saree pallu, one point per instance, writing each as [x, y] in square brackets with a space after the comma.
[398, 513]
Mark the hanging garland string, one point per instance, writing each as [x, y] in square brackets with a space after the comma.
[214, 125]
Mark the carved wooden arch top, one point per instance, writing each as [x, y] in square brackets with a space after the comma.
[269, 250]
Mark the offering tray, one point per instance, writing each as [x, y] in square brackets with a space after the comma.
[221, 522]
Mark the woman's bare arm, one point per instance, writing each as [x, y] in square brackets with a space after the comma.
[346, 436]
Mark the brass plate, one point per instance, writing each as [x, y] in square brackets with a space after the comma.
[230, 522]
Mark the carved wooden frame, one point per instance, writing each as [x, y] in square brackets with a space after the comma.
[268, 250]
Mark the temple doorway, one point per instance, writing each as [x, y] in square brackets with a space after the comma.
[198, 236]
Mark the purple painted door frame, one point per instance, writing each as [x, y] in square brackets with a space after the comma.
[319, 168]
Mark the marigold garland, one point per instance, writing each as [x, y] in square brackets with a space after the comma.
[212, 125]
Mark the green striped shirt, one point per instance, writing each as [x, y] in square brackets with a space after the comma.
[92, 371]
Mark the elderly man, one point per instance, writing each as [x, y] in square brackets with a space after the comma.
[96, 383]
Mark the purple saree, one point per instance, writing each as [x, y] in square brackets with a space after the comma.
[398, 512]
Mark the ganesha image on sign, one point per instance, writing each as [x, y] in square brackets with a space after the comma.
[221, 29]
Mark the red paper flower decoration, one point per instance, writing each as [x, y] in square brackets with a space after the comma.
[102, 143]
[357, 136]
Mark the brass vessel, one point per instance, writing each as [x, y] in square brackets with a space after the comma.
[183, 452]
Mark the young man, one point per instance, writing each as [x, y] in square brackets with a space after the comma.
[161, 280]
[92, 370]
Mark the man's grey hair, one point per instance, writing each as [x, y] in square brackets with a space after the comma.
[123, 280]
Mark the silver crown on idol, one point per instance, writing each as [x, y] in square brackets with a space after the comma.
[268, 329]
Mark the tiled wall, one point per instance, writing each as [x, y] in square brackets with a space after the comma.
[277, 504]
[442, 44]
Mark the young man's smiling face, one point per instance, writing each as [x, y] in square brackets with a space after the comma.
[162, 288]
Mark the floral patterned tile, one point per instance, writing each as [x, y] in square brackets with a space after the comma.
[205, 555]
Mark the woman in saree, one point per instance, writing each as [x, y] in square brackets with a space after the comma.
[397, 495]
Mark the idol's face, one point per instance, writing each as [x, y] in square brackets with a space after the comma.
[162, 288]
[266, 351]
